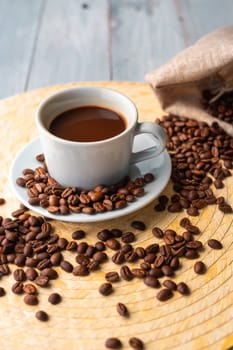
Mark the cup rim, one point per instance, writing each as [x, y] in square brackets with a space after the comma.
[47, 100]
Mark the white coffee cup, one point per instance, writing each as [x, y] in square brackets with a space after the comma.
[87, 164]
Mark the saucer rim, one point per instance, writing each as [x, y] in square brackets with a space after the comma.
[141, 202]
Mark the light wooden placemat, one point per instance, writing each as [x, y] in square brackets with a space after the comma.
[84, 319]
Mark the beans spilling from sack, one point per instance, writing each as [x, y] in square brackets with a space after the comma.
[202, 157]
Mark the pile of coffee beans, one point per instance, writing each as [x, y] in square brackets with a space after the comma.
[202, 157]
[30, 245]
[221, 108]
[44, 191]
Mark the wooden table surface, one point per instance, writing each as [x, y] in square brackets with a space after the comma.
[46, 42]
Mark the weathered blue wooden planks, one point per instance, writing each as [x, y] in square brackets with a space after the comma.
[45, 42]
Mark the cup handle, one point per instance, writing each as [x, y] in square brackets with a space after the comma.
[160, 137]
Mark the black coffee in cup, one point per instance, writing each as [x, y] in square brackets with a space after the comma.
[88, 124]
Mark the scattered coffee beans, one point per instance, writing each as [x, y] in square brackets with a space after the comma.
[31, 299]
[199, 153]
[113, 343]
[112, 276]
[138, 225]
[182, 288]
[44, 191]
[214, 244]
[54, 298]
[200, 267]
[136, 343]
[122, 310]
[2, 201]
[221, 107]
[2, 292]
[164, 294]
[42, 316]
[106, 289]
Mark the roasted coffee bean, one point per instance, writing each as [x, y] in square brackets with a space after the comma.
[105, 289]
[170, 284]
[128, 237]
[164, 294]
[100, 246]
[66, 266]
[29, 288]
[50, 273]
[100, 257]
[118, 258]
[182, 288]
[82, 259]
[2, 201]
[126, 273]
[151, 281]
[81, 270]
[152, 248]
[42, 281]
[140, 251]
[214, 244]
[71, 246]
[157, 232]
[104, 235]
[163, 200]
[78, 234]
[126, 248]
[159, 207]
[82, 248]
[138, 225]
[113, 244]
[149, 177]
[139, 273]
[200, 267]
[4, 270]
[54, 298]
[112, 276]
[194, 245]
[19, 275]
[20, 260]
[192, 211]
[113, 343]
[17, 288]
[191, 254]
[56, 258]
[62, 243]
[136, 343]
[91, 250]
[116, 232]
[31, 274]
[122, 310]
[2, 292]
[225, 208]
[31, 299]
[42, 316]
[93, 265]
[167, 270]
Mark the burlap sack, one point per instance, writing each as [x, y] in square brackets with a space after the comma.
[208, 64]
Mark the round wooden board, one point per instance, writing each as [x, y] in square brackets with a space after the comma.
[85, 319]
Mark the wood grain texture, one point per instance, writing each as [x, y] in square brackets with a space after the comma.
[144, 35]
[85, 319]
[18, 28]
[200, 17]
[72, 43]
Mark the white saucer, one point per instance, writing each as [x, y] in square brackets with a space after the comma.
[159, 166]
